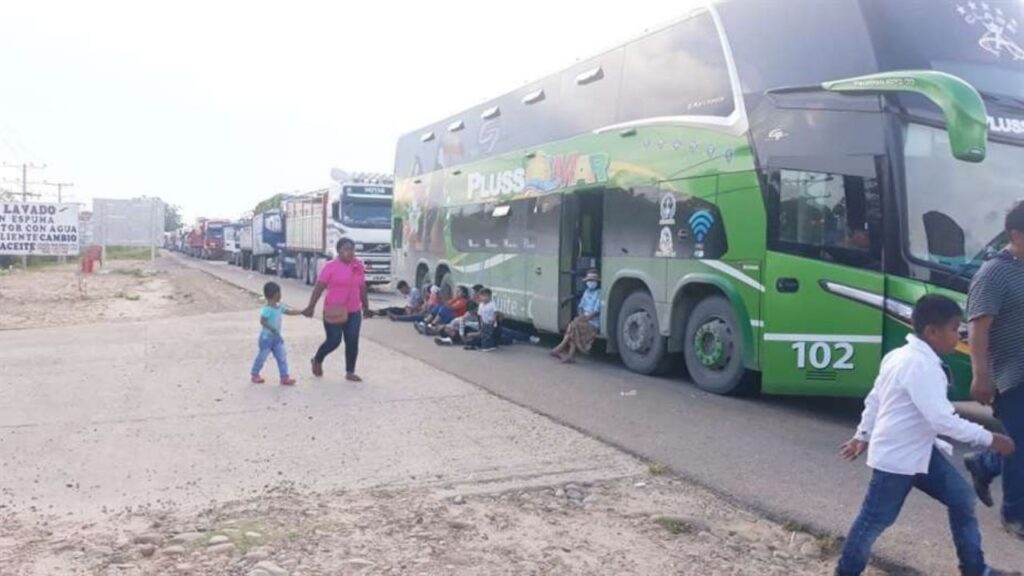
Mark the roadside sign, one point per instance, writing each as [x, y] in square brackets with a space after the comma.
[138, 222]
[38, 229]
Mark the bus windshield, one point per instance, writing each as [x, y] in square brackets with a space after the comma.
[955, 209]
[366, 213]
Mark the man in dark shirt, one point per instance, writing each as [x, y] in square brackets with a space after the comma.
[995, 308]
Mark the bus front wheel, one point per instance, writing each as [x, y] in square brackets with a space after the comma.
[713, 348]
[642, 347]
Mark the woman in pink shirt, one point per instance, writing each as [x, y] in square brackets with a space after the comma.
[344, 279]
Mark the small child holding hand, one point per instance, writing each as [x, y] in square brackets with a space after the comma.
[270, 341]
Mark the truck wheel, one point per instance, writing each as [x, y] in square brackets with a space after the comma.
[641, 345]
[447, 285]
[713, 347]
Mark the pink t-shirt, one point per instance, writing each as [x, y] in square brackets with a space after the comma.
[344, 283]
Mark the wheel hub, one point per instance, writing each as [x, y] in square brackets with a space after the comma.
[638, 332]
[713, 344]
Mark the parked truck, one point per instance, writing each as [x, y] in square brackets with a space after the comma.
[357, 207]
[231, 250]
[194, 241]
[245, 243]
[267, 240]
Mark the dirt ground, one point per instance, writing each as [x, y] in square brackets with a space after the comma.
[650, 525]
[469, 509]
[121, 290]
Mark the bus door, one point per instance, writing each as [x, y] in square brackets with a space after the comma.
[543, 215]
[580, 249]
[824, 290]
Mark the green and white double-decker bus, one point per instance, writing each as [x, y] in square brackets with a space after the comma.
[766, 186]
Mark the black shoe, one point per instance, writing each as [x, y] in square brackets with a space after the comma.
[996, 572]
[981, 478]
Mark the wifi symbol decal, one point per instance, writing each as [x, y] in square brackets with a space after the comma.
[701, 222]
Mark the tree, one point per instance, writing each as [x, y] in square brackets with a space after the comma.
[172, 218]
[272, 202]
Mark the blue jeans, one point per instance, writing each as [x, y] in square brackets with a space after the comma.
[335, 334]
[270, 344]
[508, 336]
[883, 503]
[410, 317]
[1009, 408]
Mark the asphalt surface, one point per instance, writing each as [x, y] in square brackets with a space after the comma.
[776, 455]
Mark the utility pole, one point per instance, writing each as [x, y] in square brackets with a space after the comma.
[60, 188]
[24, 189]
[25, 166]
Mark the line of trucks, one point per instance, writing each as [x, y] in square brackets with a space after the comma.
[293, 236]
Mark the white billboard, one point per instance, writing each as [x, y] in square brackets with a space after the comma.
[138, 222]
[38, 229]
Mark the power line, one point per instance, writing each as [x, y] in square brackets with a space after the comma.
[60, 188]
[25, 166]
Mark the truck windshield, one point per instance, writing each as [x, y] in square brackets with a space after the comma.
[955, 209]
[366, 213]
[215, 232]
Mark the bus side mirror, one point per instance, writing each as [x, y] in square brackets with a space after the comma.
[962, 106]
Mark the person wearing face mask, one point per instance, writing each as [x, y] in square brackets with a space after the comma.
[584, 329]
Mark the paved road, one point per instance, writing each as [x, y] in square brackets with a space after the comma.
[777, 455]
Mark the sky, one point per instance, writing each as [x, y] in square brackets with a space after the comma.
[216, 105]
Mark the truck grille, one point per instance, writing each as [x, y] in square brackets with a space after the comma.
[373, 248]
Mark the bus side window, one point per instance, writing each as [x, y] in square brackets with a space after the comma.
[828, 217]
[336, 211]
[397, 233]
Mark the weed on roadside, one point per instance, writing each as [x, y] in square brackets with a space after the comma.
[829, 545]
[675, 526]
[656, 469]
[791, 526]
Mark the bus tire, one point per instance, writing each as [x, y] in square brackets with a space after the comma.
[642, 347]
[447, 285]
[713, 348]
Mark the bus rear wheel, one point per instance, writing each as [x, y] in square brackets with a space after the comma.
[642, 347]
[447, 285]
[713, 348]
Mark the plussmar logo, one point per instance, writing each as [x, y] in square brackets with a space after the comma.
[1000, 30]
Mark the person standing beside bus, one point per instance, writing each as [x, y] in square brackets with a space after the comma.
[344, 279]
[995, 308]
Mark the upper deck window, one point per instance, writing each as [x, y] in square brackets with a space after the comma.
[680, 70]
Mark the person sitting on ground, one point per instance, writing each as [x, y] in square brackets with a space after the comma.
[488, 335]
[904, 415]
[413, 301]
[584, 329]
[442, 314]
[458, 303]
[436, 318]
[462, 328]
[424, 311]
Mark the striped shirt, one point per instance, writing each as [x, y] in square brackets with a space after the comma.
[998, 291]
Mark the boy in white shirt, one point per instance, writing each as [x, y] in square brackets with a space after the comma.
[904, 415]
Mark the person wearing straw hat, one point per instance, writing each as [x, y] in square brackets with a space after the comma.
[584, 329]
